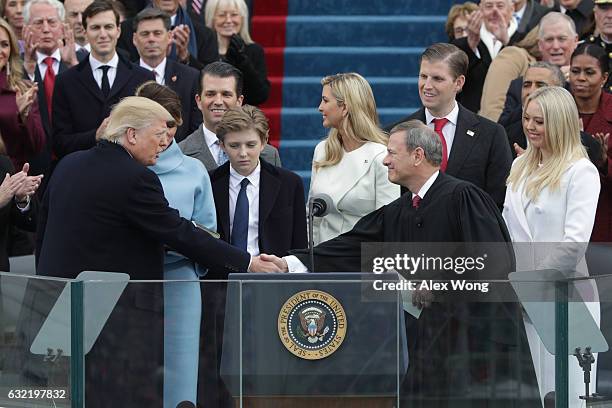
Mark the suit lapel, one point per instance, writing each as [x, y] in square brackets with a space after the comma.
[515, 215]
[463, 143]
[221, 187]
[169, 73]
[360, 164]
[123, 75]
[86, 78]
[269, 186]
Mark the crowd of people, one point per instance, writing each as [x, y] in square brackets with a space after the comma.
[130, 141]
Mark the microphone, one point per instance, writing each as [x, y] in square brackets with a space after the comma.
[318, 206]
[321, 203]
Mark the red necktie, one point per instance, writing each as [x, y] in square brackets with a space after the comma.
[48, 83]
[438, 126]
[416, 201]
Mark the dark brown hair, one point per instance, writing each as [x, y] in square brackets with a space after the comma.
[456, 59]
[97, 7]
[163, 95]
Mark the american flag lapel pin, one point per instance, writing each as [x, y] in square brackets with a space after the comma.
[470, 133]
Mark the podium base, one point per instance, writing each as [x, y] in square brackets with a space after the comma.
[319, 402]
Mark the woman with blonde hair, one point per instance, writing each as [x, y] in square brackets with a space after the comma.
[229, 19]
[550, 207]
[20, 122]
[347, 165]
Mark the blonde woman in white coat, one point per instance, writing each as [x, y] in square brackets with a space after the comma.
[347, 165]
[551, 200]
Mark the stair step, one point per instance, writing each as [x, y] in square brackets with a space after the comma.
[306, 91]
[367, 61]
[386, 7]
[367, 31]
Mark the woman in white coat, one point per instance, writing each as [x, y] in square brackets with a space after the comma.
[347, 165]
[551, 200]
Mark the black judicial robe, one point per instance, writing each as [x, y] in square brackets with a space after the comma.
[460, 344]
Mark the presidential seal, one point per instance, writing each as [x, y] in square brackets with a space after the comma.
[312, 324]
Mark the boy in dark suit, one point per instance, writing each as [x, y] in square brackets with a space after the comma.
[260, 207]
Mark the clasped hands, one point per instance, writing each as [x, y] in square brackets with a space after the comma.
[19, 186]
[268, 264]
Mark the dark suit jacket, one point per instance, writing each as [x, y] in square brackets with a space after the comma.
[104, 211]
[208, 50]
[79, 106]
[183, 80]
[10, 216]
[282, 213]
[477, 71]
[534, 12]
[581, 15]
[483, 159]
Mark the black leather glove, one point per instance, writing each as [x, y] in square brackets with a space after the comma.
[236, 50]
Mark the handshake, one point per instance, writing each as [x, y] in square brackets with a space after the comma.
[268, 264]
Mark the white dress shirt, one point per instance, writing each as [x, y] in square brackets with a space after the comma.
[159, 71]
[449, 129]
[42, 67]
[252, 192]
[213, 143]
[294, 265]
[97, 73]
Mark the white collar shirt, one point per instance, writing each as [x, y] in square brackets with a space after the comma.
[97, 73]
[213, 143]
[252, 192]
[159, 71]
[425, 188]
[449, 129]
[42, 67]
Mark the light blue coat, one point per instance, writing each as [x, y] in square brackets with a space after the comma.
[187, 188]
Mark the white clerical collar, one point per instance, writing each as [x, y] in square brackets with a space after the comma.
[452, 116]
[95, 64]
[236, 178]
[209, 137]
[40, 57]
[160, 70]
[427, 185]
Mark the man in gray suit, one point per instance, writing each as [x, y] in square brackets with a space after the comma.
[220, 89]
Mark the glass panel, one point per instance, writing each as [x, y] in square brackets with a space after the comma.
[35, 341]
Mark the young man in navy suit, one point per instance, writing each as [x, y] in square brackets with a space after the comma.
[84, 94]
[151, 38]
[260, 207]
[475, 149]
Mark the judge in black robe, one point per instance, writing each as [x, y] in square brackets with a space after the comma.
[456, 345]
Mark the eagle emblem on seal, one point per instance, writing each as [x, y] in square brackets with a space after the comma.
[312, 321]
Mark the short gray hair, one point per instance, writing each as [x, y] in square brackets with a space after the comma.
[59, 7]
[417, 134]
[554, 17]
[558, 76]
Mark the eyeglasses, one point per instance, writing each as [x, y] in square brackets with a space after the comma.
[460, 31]
[39, 22]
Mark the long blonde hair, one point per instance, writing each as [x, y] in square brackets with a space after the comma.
[14, 69]
[562, 139]
[361, 122]
[210, 9]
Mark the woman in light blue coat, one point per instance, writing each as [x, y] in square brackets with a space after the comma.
[187, 188]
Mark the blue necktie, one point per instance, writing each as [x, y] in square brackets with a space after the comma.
[221, 157]
[240, 229]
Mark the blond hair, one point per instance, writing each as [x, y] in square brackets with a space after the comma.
[14, 69]
[2, 146]
[561, 138]
[211, 9]
[243, 118]
[134, 112]
[361, 122]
